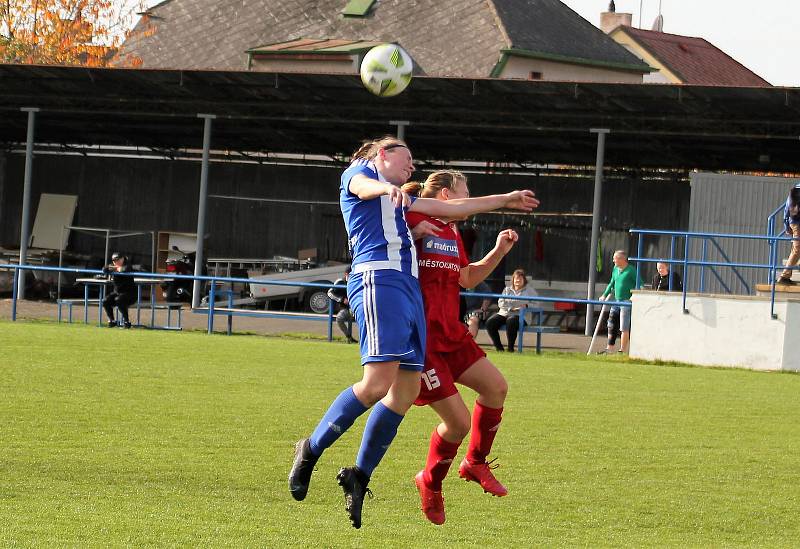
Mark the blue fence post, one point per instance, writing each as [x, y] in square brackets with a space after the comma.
[14, 291]
[771, 232]
[702, 267]
[671, 259]
[772, 261]
[86, 304]
[639, 250]
[685, 271]
[101, 295]
[230, 306]
[330, 320]
[138, 304]
[210, 307]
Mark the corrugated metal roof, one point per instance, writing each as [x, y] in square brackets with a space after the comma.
[734, 204]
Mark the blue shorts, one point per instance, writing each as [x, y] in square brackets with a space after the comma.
[624, 318]
[388, 307]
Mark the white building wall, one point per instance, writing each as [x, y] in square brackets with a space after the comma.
[733, 331]
[522, 67]
[317, 66]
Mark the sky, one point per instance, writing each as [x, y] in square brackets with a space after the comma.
[761, 34]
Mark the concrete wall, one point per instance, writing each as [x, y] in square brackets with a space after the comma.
[522, 67]
[731, 331]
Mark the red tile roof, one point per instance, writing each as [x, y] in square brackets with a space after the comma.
[695, 60]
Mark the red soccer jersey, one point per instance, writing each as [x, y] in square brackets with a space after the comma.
[440, 260]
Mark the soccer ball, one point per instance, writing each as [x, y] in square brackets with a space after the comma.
[386, 70]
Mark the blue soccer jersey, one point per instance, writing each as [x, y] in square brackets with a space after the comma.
[378, 235]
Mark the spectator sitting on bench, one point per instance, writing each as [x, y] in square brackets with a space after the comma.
[124, 289]
[662, 276]
[344, 318]
[477, 308]
[509, 309]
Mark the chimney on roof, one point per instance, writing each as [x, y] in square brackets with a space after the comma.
[610, 20]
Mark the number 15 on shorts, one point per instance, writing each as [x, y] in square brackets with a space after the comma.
[431, 379]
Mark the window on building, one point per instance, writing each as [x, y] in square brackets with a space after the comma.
[535, 75]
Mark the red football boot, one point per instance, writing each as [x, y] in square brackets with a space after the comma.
[432, 501]
[482, 474]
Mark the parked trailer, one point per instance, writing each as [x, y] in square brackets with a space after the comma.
[313, 299]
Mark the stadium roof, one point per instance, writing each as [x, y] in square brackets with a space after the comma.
[665, 126]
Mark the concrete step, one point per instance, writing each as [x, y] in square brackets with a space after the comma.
[784, 290]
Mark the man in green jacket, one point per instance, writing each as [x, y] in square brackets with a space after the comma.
[623, 280]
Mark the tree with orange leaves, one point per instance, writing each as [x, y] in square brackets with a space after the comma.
[66, 32]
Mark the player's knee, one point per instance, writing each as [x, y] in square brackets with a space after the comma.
[500, 390]
[459, 429]
[494, 394]
[373, 391]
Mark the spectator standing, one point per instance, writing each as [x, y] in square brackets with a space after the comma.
[791, 220]
[623, 280]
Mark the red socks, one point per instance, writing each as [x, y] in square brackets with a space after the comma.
[485, 422]
[440, 455]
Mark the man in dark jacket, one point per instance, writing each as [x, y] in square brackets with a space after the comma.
[124, 289]
[791, 220]
[344, 318]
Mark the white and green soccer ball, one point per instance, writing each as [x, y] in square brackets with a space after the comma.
[386, 70]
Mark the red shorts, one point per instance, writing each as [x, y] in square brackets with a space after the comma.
[443, 369]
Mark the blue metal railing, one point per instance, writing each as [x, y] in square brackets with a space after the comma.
[704, 254]
[212, 294]
[771, 266]
[211, 310]
[771, 226]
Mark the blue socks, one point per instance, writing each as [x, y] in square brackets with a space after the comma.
[338, 419]
[379, 432]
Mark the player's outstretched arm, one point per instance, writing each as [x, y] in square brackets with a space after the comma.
[460, 208]
[367, 188]
[477, 271]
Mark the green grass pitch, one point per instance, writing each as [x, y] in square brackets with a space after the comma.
[146, 438]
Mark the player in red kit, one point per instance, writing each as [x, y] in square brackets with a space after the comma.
[452, 356]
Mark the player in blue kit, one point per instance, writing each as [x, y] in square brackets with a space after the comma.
[385, 296]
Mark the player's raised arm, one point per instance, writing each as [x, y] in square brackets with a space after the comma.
[462, 207]
[366, 189]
